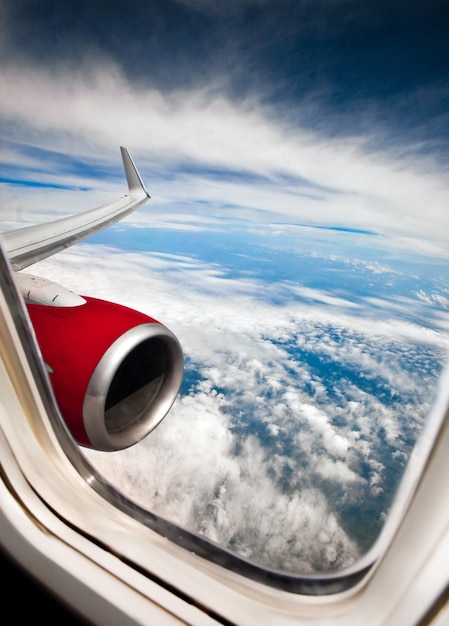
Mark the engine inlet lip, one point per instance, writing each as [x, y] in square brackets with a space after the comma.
[103, 375]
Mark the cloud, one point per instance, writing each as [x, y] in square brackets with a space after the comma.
[299, 175]
[434, 299]
[230, 499]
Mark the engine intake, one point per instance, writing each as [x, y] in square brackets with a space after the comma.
[115, 372]
[133, 387]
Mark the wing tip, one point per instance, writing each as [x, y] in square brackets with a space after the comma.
[135, 183]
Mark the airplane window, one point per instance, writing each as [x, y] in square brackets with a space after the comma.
[301, 261]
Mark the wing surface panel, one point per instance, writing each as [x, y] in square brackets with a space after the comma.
[28, 245]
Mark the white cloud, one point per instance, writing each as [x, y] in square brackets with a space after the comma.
[433, 299]
[319, 295]
[337, 471]
[88, 111]
[229, 499]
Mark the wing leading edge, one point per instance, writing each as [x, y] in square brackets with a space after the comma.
[26, 246]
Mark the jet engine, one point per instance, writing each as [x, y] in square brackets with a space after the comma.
[115, 372]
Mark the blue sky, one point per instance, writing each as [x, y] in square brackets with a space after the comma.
[297, 158]
[324, 112]
[350, 57]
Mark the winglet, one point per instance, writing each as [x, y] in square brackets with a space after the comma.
[135, 184]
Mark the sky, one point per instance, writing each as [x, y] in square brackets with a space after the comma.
[247, 106]
[297, 156]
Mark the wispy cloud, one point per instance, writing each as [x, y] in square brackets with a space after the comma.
[97, 108]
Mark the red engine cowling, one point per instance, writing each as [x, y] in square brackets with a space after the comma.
[115, 372]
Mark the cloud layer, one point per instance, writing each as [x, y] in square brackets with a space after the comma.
[284, 172]
[294, 423]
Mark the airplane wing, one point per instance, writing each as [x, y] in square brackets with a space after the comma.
[28, 245]
[115, 372]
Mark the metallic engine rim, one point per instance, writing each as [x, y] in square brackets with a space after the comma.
[101, 379]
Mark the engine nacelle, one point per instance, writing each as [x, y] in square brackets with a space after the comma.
[115, 372]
